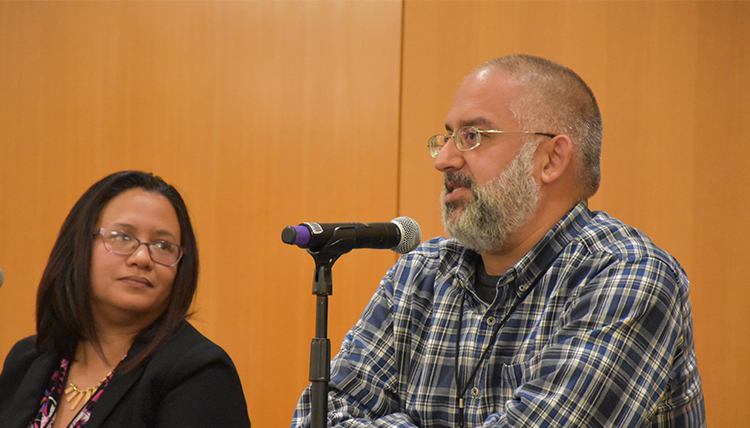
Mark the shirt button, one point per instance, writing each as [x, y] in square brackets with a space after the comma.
[474, 391]
[491, 321]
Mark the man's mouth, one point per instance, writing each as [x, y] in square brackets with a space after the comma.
[452, 182]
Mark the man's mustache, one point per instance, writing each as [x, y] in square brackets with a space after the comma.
[452, 180]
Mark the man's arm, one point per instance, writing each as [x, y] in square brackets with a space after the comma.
[364, 373]
[610, 360]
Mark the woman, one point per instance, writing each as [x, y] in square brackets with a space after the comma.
[113, 348]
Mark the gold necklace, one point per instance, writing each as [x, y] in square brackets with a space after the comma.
[73, 393]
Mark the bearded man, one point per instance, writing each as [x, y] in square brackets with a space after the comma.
[537, 311]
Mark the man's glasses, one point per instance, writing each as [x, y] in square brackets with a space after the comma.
[469, 137]
[162, 252]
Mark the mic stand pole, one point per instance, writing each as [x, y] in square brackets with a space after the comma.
[320, 349]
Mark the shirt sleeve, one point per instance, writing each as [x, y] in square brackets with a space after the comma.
[364, 373]
[608, 361]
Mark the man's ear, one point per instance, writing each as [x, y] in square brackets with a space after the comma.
[557, 155]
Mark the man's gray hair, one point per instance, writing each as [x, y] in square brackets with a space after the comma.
[555, 100]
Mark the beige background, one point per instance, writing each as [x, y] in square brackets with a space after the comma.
[270, 113]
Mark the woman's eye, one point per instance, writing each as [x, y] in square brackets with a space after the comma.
[161, 245]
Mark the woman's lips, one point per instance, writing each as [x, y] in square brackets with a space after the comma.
[137, 281]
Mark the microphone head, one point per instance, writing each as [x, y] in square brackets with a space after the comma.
[411, 234]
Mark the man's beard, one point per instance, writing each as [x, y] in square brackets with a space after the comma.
[500, 207]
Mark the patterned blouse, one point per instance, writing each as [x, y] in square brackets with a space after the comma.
[45, 418]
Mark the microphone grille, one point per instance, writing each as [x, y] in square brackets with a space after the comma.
[411, 234]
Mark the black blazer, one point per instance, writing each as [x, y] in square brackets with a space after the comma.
[188, 382]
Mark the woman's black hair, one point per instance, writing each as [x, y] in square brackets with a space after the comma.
[64, 316]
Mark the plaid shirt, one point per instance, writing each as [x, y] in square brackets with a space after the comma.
[604, 339]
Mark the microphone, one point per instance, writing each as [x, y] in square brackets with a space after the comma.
[402, 234]
[2, 277]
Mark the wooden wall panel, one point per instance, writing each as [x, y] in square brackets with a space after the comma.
[721, 206]
[672, 82]
[263, 114]
[268, 113]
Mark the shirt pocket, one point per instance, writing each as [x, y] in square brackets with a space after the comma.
[513, 376]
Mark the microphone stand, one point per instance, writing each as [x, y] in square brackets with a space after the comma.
[320, 350]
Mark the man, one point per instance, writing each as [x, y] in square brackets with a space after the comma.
[538, 312]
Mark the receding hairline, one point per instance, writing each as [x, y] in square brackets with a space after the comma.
[553, 98]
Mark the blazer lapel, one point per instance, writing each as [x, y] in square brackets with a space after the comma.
[121, 383]
[113, 394]
[117, 388]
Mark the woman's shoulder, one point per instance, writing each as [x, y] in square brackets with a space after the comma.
[188, 346]
[200, 378]
[20, 360]
[23, 351]
[190, 358]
